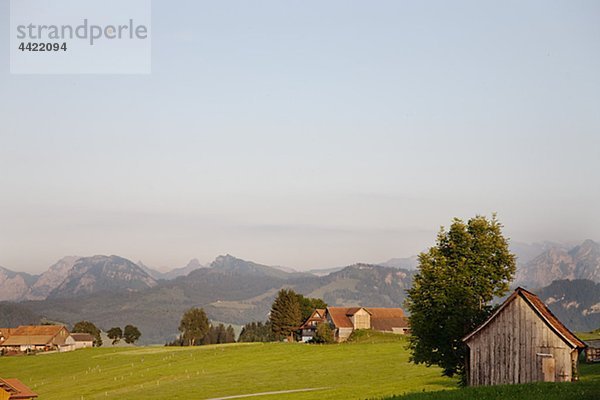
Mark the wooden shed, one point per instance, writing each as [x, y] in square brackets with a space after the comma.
[522, 342]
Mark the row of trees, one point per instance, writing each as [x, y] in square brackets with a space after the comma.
[257, 332]
[130, 333]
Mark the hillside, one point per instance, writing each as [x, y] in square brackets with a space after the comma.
[576, 303]
[347, 371]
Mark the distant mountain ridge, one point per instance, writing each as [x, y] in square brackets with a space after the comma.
[172, 274]
[102, 273]
[113, 291]
[231, 290]
[558, 263]
[575, 302]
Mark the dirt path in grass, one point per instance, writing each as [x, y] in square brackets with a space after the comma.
[240, 396]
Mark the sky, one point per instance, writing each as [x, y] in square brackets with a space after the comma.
[308, 134]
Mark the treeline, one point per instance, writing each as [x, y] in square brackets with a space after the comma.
[257, 332]
[196, 330]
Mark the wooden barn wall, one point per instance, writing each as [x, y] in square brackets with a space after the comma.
[505, 351]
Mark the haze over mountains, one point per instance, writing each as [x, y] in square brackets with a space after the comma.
[113, 291]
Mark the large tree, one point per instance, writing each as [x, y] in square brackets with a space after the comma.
[131, 334]
[116, 334]
[286, 315]
[88, 327]
[452, 292]
[193, 326]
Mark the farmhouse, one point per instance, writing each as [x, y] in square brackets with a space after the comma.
[14, 389]
[346, 319]
[309, 327]
[82, 340]
[522, 342]
[40, 338]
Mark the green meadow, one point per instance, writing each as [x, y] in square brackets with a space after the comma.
[373, 366]
[588, 388]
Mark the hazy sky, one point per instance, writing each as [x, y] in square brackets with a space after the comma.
[308, 134]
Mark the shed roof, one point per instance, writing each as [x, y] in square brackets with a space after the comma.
[542, 311]
[17, 389]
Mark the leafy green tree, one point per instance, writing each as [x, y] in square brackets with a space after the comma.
[308, 305]
[88, 327]
[323, 334]
[193, 326]
[452, 292]
[286, 315]
[131, 334]
[116, 334]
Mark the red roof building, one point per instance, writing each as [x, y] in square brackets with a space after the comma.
[14, 389]
[347, 319]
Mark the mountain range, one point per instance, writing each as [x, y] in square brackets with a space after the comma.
[113, 291]
[231, 290]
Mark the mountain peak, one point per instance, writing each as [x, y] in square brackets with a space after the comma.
[556, 263]
[102, 273]
[194, 263]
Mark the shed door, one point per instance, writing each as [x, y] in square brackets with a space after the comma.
[548, 368]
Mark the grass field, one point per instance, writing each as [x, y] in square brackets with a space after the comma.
[373, 366]
[586, 389]
[589, 335]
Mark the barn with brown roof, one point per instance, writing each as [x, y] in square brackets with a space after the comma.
[522, 342]
[14, 389]
[39, 338]
[5, 333]
[83, 340]
[347, 319]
